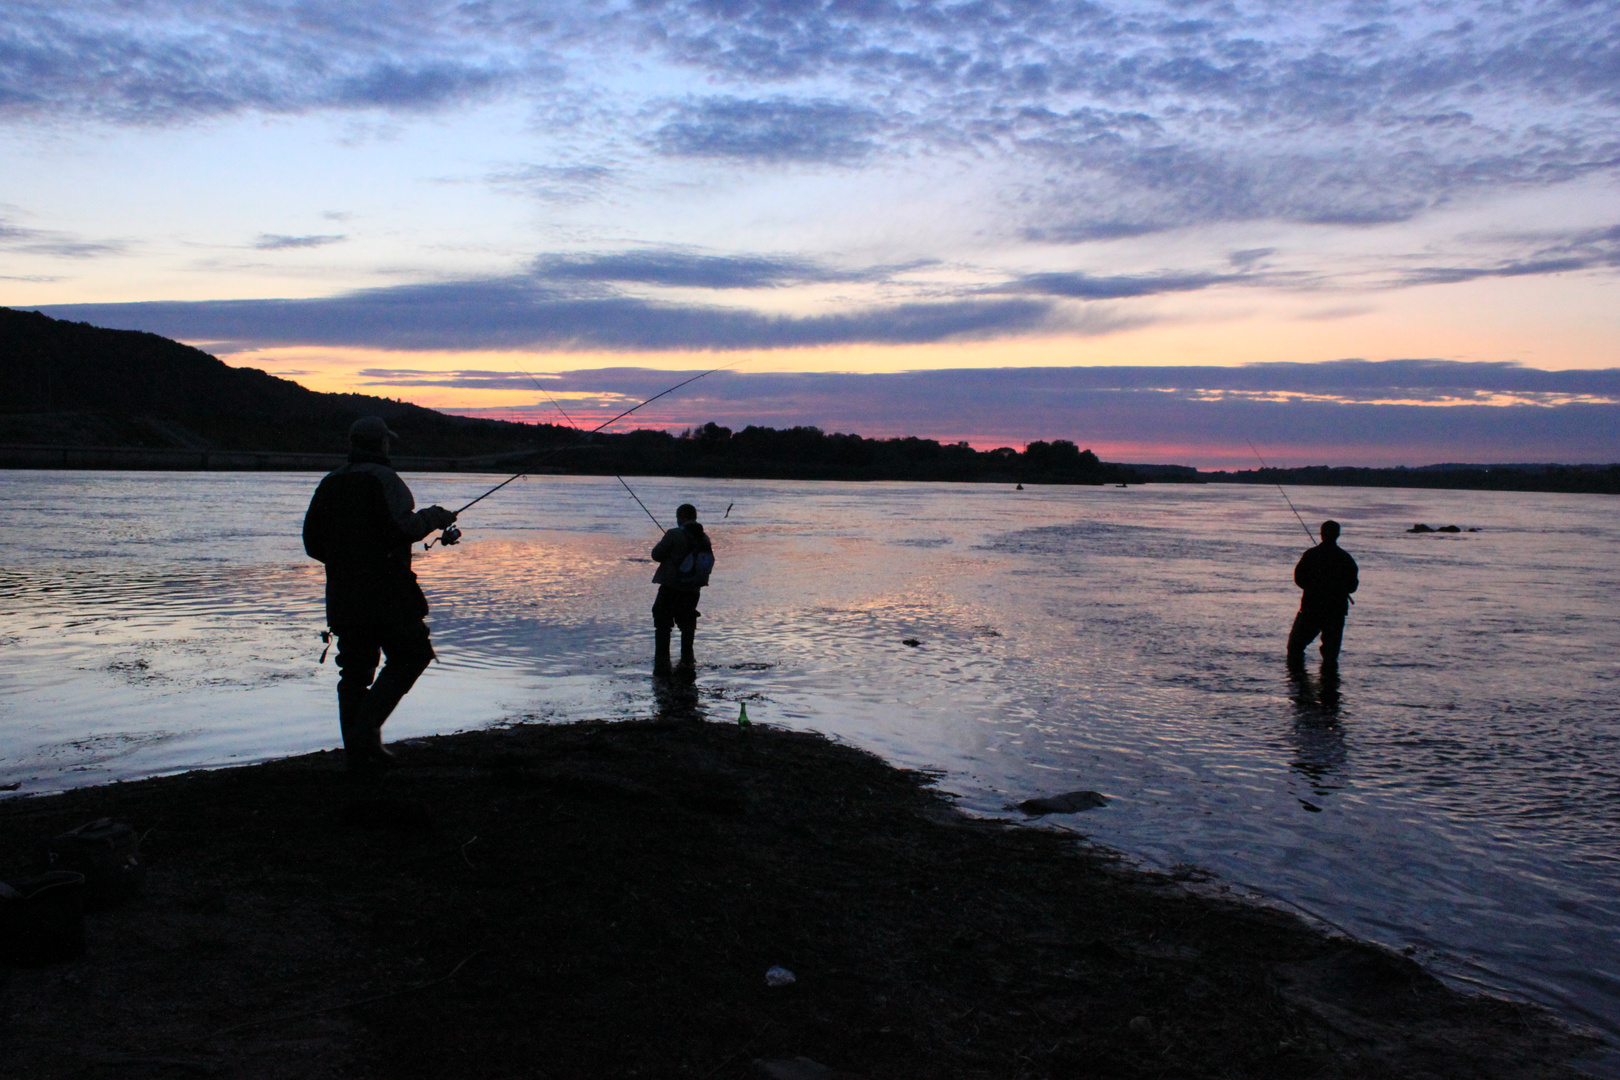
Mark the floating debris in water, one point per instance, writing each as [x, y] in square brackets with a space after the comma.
[911, 641]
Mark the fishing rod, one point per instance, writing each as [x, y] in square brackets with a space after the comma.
[1309, 535]
[541, 387]
[454, 534]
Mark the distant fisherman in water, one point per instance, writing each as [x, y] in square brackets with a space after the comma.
[1328, 576]
[361, 524]
[685, 557]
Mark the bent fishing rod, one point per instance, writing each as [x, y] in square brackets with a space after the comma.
[1310, 535]
[454, 534]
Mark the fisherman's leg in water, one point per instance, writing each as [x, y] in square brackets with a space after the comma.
[1332, 638]
[663, 611]
[661, 650]
[686, 618]
[1307, 624]
[364, 705]
[675, 607]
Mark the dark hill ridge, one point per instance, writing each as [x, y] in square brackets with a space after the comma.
[67, 382]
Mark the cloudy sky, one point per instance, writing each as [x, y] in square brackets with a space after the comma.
[1373, 232]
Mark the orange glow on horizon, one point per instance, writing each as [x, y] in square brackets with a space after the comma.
[1492, 320]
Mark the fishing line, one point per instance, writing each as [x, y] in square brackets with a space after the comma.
[1310, 535]
[559, 449]
[636, 497]
[571, 424]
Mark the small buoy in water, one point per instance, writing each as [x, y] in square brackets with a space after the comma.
[1020, 487]
[1141, 1026]
[911, 641]
[742, 717]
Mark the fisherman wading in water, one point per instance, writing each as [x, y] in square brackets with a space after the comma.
[684, 556]
[1328, 576]
[361, 524]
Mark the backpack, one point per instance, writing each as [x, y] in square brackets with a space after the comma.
[694, 570]
[105, 852]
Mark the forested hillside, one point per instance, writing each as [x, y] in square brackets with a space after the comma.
[77, 384]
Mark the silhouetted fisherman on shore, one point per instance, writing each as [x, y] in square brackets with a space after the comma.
[1328, 576]
[684, 556]
[361, 523]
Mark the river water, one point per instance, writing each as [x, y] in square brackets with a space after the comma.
[1456, 792]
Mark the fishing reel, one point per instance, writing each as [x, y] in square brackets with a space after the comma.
[450, 535]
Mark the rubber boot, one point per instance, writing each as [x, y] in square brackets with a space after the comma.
[687, 668]
[356, 732]
[661, 651]
[379, 755]
[395, 680]
[393, 683]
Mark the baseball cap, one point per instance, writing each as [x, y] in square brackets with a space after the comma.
[370, 429]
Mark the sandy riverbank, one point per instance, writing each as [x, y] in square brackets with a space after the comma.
[603, 900]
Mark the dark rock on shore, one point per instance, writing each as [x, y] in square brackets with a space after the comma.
[1073, 802]
[600, 900]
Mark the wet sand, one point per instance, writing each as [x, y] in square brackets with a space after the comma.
[604, 900]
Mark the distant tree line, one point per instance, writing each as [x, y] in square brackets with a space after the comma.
[808, 453]
[1575, 479]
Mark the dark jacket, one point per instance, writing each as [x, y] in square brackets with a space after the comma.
[675, 545]
[1328, 575]
[361, 523]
